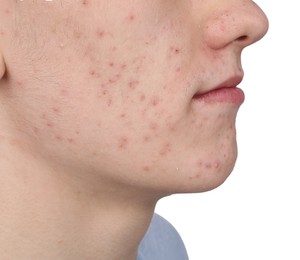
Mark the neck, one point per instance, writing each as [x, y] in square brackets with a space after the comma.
[49, 216]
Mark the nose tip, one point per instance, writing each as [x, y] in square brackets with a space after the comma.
[243, 26]
[254, 25]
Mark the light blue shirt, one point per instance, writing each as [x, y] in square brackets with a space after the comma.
[162, 242]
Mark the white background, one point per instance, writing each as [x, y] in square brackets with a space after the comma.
[255, 214]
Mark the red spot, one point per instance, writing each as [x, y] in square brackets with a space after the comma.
[112, 80]
[132, 84]
[77, 35]
[199, 163]
[146, 138]
[142, 97]
[146, 168]
[64, 92]
[7, 11]
[153, 126]
[167, 148]
[217, 165]
[109, 102]
[175, 50]
[100, 33]
[123, 142]
[56, 110]
[85, 2]
[131, 17]
[123, 66]
[36, 130]
[208, 165]
[50, 125]
[113, 48]
[58, 137]
[19, 83]
[155, 101]
[123, 115]
[70, 140]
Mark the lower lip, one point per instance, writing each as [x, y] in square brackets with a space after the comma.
[231, 95]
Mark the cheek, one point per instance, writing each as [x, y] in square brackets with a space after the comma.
[123, 91]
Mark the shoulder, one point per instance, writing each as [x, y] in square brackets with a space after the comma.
[162, 242]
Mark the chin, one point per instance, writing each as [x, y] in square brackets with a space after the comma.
[209, 176]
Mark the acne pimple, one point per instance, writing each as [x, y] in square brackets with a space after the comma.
[36, 130]
[142, 97]
[58, 137]
[64, 92]
[208, 165]
[217, 165]
[172, 129]
[70, 140]
[56, 110]
[123, 115]
[132, 84]
[50, 124]
[19, 83]
[154, 101]
[92, 72]
[146, 138]
[130, 17]
[123, 66]
[175, 50]
[109, 102]
[104, 92]
[113, 48]
[146, 168]
[100, 34]
[199, 163]
[123, 142]
[7, 11]
[167, 148]
[85, 2]
[153, 126]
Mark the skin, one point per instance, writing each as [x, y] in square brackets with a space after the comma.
[98, 119]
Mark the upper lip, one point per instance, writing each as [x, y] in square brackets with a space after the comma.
[230, 82]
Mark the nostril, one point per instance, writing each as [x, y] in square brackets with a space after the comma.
[242, 38]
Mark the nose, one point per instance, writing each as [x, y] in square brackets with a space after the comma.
[236, 22]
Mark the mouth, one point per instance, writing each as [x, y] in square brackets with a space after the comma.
[226, 92]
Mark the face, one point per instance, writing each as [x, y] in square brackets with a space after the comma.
[140, 93]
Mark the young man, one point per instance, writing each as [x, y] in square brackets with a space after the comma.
[106, 106]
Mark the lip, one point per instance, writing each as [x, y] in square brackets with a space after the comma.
[226, 92]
